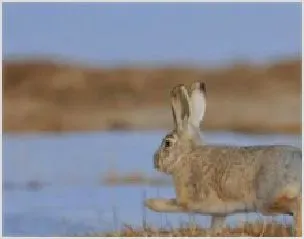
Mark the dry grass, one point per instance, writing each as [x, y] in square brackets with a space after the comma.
[256, 229]
[45, 96]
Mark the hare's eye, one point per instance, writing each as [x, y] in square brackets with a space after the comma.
[167, 143]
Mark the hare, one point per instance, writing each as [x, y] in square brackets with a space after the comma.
[221, 180]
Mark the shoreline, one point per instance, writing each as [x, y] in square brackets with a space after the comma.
[45, 96]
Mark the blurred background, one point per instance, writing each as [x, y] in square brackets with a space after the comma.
[86, 102]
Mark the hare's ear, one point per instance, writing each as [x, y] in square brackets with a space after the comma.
[180, 106]
[197, 103]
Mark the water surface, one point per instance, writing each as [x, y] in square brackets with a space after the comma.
[52, 182]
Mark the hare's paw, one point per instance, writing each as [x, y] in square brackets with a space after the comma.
[155, 204]
[162, 205]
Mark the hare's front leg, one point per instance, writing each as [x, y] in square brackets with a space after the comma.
[218, 207]
[217, 223]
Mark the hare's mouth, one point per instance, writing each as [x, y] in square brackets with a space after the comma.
[159, 165]
[157, 162]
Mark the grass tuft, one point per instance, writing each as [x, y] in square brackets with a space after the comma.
[256, 229]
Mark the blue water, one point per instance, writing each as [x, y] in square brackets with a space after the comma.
[70, 198]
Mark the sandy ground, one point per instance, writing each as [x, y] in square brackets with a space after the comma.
[41, 95]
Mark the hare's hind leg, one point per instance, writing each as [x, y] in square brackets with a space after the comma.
[294, 207]
[283, 203]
